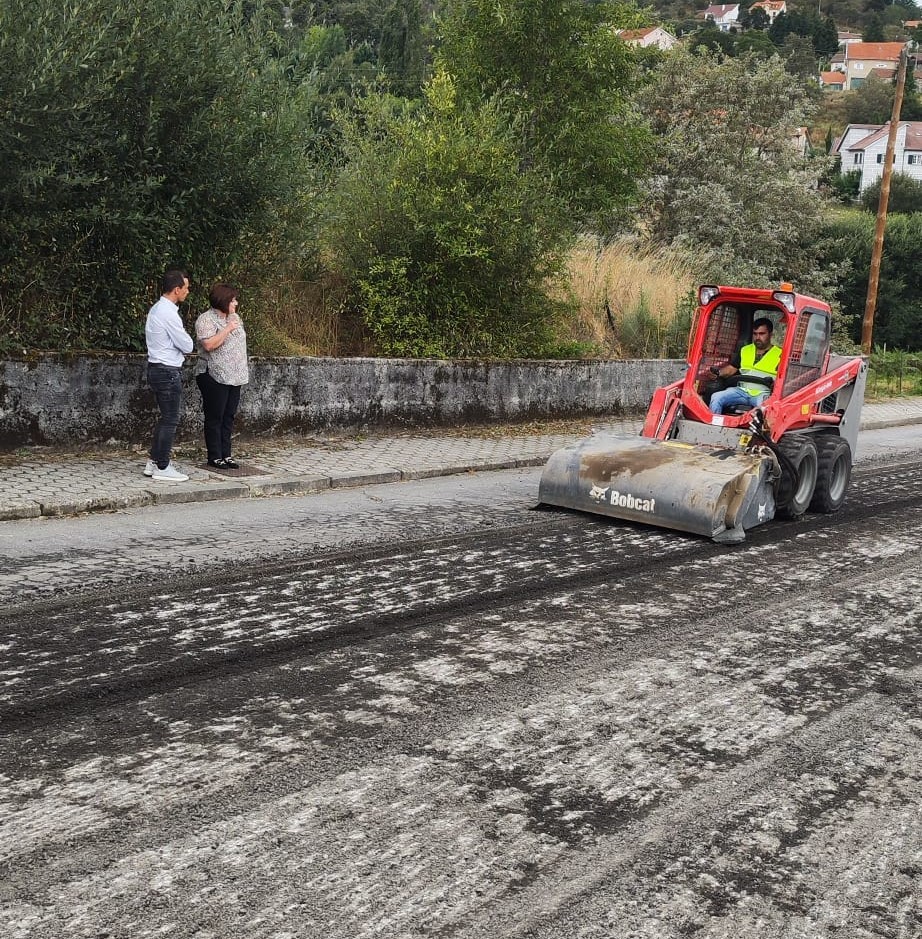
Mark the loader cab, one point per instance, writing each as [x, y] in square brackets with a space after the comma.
[723, 325]
[727, 329]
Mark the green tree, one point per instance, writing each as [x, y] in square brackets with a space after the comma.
[560, 69]
[448, 247]
[845, 244]
[714, 40]
[825, 37]
[133, 136]
[873, 29]
[872, 102]
[754, 19]
[400, 50]
[755, 41]
[821, 32]
[727, 177]
[799, 56]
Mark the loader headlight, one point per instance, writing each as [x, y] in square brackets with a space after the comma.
[785, 298]
[706, 294]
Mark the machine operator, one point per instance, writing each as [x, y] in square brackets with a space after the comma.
[758, 360]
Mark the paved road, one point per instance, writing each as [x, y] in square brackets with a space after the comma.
[425, 710]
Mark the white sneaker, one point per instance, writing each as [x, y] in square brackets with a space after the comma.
[150, 469]
[170, 474]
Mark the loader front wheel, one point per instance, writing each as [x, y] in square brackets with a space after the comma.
[834, 473]
[802, 455]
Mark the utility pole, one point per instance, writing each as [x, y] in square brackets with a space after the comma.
[867, 324]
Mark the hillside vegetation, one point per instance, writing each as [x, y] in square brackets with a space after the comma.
[466, 178]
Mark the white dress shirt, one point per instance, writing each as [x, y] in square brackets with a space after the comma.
[167, 341]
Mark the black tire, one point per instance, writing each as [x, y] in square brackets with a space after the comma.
[834, 473]
[801, 453]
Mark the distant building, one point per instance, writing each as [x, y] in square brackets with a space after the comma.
[800, 140]
[723, 15]
[862, 148]
[846, 38]
[773, 8]
[863, 59]
[833, 81]
[649, 36]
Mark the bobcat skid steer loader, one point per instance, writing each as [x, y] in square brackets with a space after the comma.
[720, 474]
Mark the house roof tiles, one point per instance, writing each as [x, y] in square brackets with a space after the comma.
[883, 51]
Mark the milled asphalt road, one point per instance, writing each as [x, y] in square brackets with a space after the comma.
[531, 726]
[46, 481]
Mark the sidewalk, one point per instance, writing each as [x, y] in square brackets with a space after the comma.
[42, 481]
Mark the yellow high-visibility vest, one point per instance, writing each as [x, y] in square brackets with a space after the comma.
[767, 365]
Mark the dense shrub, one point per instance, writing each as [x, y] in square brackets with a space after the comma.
[448, 246]
[905, 195]
[134, 134]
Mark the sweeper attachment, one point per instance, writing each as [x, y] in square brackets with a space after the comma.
[719, 474]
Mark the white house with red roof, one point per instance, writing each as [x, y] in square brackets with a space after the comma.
[649, 36]
[723, 15]
[773, 8]
[861, 60]
[862, 148]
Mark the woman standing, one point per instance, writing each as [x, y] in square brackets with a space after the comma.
[221, 372]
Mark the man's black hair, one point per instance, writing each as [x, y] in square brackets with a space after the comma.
[171, 280]
[763, 321]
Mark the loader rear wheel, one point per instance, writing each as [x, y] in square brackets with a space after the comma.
[834, 473]
[801, 452]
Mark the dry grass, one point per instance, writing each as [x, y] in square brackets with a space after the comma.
[627, 301]
[306, 317]
[616, 283]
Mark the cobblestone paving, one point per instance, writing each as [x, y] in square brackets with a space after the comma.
[32, 487]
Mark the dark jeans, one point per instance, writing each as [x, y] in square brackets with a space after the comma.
[166, 383]
[220, 405]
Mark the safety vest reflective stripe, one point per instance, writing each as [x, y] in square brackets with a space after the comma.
[767, 365]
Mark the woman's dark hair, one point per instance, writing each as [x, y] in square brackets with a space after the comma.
[221, 296]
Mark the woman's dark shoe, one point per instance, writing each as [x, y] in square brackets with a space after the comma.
[228, 463]
[219, 464]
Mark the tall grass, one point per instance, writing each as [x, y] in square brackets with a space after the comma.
[303, 317]
[632, 303]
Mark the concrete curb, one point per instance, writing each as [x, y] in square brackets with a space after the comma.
[884, 423]
[259, 487]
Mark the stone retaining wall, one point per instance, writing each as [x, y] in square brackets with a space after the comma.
[53, 399]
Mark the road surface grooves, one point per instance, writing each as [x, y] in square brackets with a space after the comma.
[86, 652]
[573, 729]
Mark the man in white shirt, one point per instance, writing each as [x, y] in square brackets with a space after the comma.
[167, 345]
